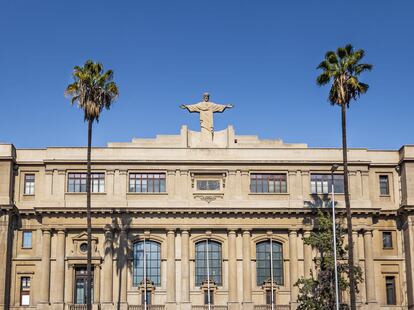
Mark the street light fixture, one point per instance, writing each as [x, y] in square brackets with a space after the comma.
[333, 169]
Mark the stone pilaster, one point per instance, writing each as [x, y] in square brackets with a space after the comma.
[369, 270]
[44, 293]
[307, 255]
[123, 261]
[171, 302]
[108, 265]
[247, 272]
[59, 277]
[408, 233]
[293, 265]
[185, 270]
[232, 271]
[96, 284]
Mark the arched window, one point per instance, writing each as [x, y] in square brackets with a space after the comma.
[147, 261]
[210, 269]
[263, 262]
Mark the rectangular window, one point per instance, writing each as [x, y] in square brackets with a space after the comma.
[29, 184]
[27, 240]
[384, 185]
[208, 185]
[269, 297]
[268, 183]
[387, 240]
[209, 297]
[146, 298]
[390, 290]
[77, 182]
[147, 183]
[322, 183]
[25, 291]
[80, 285]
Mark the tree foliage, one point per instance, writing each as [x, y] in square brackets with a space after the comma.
[342, 68]
[93, 89]
[317, 291]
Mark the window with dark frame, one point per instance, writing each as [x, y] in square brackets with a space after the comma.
[384, 185]
[27, 239]
[263, 269]
[147, 183]
[322, 183]
[214, 262]
[80, 285]
[152, 262]
[268, 183]
[390, 290]
[206, 297]
[387, 239]
[77, 182]
[146, 297]
[269, 297]
[29, 184]
[25, 291]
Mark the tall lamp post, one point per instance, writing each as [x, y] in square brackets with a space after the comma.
[333, 169]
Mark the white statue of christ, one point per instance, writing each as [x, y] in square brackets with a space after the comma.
[206, 110]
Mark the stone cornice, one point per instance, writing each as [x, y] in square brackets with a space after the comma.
[205, 211]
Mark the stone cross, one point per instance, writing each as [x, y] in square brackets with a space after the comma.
[206, 108]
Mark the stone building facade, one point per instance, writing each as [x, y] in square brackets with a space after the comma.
[183, 199]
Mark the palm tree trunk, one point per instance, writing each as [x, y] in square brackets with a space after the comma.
[88, 220]
[352, 290]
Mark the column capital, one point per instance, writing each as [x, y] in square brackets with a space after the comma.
[306, 233]
[231, 231]
[46, 230]
[61, 231]
[247, 232]
[185, 230]
[293, 231]
[170, 231]
[367, 231]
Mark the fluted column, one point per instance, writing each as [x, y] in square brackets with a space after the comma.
[247, 273]
[232, 269]
[108, 266]
[307, 255]
[293, 264]
[60, 266]
[171, 266]
[369, 267]
[45, 268]
[185, 267]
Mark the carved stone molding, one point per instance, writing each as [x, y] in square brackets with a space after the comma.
[208, 197]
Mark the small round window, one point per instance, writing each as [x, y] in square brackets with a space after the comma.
[83, 247]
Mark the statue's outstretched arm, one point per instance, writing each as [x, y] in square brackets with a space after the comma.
[191, 107]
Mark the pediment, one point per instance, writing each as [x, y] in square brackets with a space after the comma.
[83, 237]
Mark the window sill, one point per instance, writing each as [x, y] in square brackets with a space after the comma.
[28, 195]
[385, 196]
[215, 193]
[148, 193]
[26, 248]
[269, 194]
[84, 193]
[329, 194]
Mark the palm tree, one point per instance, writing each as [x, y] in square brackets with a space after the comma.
[93, 90]
[341, 69]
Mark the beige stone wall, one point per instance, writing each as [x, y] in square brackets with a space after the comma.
[233, 216]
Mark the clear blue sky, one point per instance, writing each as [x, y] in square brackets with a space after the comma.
[259, 55]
